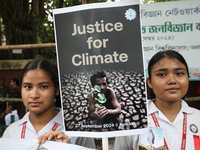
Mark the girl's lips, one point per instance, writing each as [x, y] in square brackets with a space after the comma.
[34, 103]
[173, 89]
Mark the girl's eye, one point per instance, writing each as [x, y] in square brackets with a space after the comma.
[180, 73]
[161, 74]
[43, 87]
[27, 87]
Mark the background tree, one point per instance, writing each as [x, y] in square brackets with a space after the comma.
[22, 20]
[29, 22]
[156, 1]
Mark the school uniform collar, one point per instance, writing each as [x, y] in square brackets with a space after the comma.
[57, 119]
[151, 107]
[24, 119]
[185, 108]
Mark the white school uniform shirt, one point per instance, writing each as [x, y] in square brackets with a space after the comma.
[15, 130]
[172, 131]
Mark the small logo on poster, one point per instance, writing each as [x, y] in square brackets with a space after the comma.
[130, 14]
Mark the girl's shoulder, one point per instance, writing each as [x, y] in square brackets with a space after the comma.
[194, 116]
[195, 111]
[13, 130]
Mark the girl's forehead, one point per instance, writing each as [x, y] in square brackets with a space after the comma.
[36, 74]
[168, 62]
[35, 71]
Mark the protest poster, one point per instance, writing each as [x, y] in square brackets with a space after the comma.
[103, 37]
[175, 26]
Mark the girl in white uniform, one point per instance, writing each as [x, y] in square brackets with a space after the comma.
[39, 87]
[168, 83]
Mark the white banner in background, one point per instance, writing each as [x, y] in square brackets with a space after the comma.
[175, 26]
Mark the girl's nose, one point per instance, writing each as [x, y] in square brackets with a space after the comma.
[172, 79]
[34, 93]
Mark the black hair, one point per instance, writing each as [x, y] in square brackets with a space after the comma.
[46, 65]
[158, 56]
[2, 79]
[98, 74]
[43, 64]
[16, 81]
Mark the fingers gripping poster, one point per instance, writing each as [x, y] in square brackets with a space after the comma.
[100, 62]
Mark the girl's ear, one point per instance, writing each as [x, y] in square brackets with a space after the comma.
[57, 91]
[149, 82]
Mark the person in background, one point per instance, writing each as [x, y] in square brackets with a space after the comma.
[11, 113]
[15, 89]
[168, 82]
[39, 87]
[4, 90]
[4, 93]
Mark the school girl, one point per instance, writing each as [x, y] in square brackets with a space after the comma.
[39, 87]
[168, 83]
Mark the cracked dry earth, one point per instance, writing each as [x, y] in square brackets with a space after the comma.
[129, 88]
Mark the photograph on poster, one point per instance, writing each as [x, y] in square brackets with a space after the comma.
[101, 67]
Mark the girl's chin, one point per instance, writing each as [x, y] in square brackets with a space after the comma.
[35, 110]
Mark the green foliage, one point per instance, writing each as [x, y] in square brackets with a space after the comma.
[96, 1]
[68, 3]
[22, 24]
[156, 1]
[46, 30]
[166, 0]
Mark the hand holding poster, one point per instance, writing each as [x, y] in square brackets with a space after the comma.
[101, 67]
